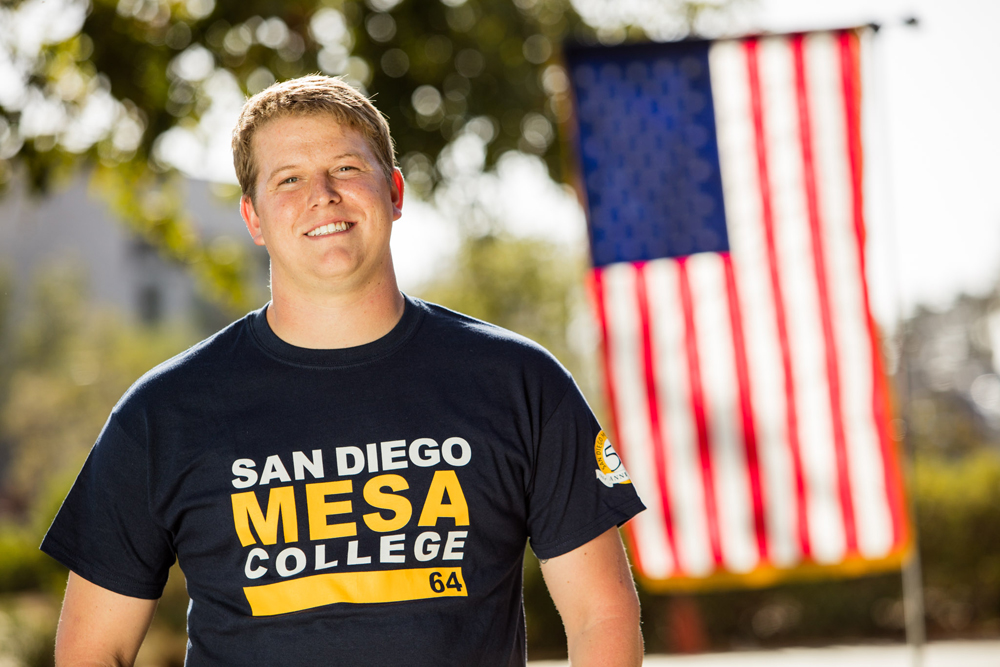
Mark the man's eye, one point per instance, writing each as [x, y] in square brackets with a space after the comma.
[346, 167]
[291, 179]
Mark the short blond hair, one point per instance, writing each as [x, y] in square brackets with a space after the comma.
[309, 95]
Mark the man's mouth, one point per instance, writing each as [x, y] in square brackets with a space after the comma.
[332, 228]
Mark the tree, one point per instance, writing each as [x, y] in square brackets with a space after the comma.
[63, 366]
[112, 84]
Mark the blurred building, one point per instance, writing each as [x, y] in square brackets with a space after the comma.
[74, 229]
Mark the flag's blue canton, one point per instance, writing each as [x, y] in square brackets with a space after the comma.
[648, 150]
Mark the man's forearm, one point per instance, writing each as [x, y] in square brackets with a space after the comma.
[593, 590]
[612, 642]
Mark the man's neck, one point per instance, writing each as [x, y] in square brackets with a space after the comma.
[334, 321]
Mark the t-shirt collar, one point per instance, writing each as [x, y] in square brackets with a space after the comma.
[348, 356]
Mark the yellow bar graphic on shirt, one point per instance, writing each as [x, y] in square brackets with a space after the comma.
[357, 587]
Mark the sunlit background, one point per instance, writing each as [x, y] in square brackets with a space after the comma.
[121, 243]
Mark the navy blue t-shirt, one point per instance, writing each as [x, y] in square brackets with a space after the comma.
[362, 506]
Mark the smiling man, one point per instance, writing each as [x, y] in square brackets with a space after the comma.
[348, 476]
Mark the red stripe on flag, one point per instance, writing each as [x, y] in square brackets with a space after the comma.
[698, 410]
[815, 226]
[609, 385]
[660, 447]
[851, 78]
[746, 409]
[791, 409]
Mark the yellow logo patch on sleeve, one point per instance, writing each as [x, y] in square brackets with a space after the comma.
[610, 469]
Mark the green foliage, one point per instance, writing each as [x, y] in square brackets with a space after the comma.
[25, 569]
[790, 614]
[525, 285]
[64, 367]
[27, 630]
[69, 365]
[958, 507]
[150, 204]
[944, 424]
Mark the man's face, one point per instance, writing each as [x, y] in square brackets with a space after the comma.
[323, 207]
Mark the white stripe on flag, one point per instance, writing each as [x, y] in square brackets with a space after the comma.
[744, 215]
[625, 348]
[798, 279]
[868, 94]
[718, 376]
[849, 317]
[684, 474]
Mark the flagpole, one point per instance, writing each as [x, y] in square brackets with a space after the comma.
[912, 570]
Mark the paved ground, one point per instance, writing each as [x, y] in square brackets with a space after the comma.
[940, 654]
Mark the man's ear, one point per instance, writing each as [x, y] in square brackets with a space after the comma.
[251, 220]
[396, 193]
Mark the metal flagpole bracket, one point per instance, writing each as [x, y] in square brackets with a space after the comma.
[907, 22]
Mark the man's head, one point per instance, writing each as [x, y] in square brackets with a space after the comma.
[308, 95]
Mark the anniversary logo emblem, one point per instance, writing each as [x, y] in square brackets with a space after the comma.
[610, 469]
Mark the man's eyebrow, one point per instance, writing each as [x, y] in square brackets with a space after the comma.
[351, 154]
[278, 170]
[339, 156]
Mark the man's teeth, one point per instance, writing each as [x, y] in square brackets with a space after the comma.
[332, 228]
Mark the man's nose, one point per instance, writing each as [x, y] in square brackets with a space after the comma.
[324, 190]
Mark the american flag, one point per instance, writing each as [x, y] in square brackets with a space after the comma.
[724, 189]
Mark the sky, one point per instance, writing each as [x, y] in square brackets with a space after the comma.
[933, 161]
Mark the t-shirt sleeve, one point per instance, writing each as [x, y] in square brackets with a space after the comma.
[579, 488]
[104, 530]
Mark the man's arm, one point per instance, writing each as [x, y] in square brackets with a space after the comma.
[99, 628]
[593, 590]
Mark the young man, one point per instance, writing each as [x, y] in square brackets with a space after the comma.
[348, 476]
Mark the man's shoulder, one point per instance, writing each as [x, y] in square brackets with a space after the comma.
[511, 364]
[464, 334]
[198, 365]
